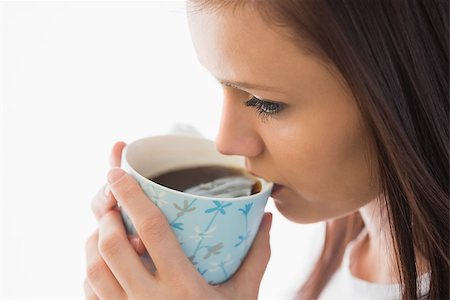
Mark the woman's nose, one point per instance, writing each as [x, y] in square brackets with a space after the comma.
[238, 134]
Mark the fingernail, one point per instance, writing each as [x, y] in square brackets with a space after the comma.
[134, 242]
[108, 194]
[106, 191]
[115, 174]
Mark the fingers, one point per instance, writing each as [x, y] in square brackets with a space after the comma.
[120, 256]
[101, 281]
[116, 154]
[151, 225]
[104, 200]
[250, 273]
[88, 292]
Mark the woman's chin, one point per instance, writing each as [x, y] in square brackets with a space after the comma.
[293, 207]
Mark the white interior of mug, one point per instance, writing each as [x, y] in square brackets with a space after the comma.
[154, 155]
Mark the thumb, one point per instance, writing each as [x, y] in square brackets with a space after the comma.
[116, 154]
[248, 278]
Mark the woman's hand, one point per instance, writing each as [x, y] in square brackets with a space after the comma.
[115, 271]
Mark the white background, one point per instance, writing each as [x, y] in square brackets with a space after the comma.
[74, 78]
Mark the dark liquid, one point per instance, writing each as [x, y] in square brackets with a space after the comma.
[183, 179]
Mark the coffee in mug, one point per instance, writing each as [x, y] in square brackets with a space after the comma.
[213, 180]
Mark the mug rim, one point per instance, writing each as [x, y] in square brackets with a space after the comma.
[267, 187]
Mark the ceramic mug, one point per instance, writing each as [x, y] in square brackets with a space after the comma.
[214, 233]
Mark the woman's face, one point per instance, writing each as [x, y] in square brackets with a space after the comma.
[311, 142]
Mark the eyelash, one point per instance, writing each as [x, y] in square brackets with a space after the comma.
[265, 109]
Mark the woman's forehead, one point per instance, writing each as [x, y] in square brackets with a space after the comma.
[243, 47]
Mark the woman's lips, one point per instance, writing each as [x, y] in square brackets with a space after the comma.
[276, 187]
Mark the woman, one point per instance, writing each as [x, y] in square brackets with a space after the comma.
[344, 105]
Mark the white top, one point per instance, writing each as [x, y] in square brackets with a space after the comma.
[344, 285]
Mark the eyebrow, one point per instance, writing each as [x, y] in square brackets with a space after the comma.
[247, 86]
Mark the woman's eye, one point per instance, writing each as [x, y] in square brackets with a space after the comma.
[264, 108]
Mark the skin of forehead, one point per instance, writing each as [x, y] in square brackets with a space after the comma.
[245, 39]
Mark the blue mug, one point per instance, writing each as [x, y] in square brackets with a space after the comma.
[214, 233]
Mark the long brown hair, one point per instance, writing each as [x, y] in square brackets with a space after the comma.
[394, 57]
